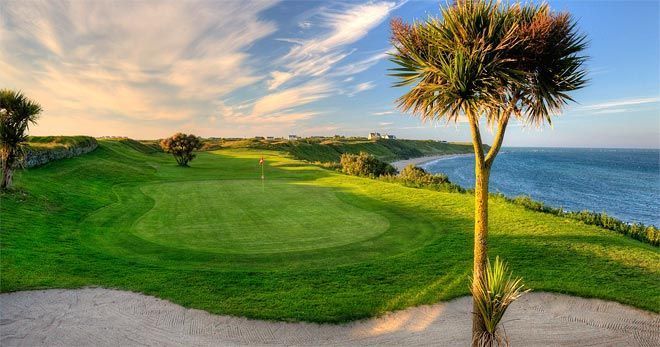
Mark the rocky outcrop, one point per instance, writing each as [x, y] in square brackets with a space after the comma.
[40, 157]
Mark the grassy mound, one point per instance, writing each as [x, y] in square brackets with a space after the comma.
[307, 244]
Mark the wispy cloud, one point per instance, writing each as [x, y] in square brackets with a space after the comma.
[382, 113]
[340, 27]
[281, 108]
[361, 87]
[614, 104]
[362, 65]
[291, 98]
[140, 61]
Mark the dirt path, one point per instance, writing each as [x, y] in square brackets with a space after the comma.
[103, 317]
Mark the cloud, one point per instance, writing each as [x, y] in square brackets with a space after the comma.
[612, 111]
[382, 113]
[278, 78]
[619, 103]
[362, 65]
[291, 98]
[163, 61]
[281, 107]
[341, 27]
[361, 88]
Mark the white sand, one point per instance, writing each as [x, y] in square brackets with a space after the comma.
[400, 164]
[103, 317]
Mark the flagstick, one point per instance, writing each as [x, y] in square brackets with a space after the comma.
[263, 189]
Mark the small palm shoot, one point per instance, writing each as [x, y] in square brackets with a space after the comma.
[492, 295]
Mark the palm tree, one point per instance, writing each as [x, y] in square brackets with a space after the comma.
[16, 114]
[485, 61]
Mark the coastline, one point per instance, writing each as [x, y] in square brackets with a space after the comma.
[400, 164]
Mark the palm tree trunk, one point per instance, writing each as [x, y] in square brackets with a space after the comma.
[482, 174]
[482, 165]
[6, 174]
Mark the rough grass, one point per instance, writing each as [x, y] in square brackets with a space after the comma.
[310, 244]
[44, 143]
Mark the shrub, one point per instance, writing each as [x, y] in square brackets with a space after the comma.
[181, 146]
[417, 175]
[412, 176]
[493, 293]
[365, 164]
[637, 231]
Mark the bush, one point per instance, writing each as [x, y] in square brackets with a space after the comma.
[365, 164]
[419, 176]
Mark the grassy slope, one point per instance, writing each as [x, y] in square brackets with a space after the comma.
[330, 150]
[86, 221]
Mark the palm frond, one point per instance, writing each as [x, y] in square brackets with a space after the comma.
[493, 294]
[488, 59]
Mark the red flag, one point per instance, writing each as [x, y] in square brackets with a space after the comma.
[261, 161]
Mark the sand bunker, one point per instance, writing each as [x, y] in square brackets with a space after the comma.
[103, 317]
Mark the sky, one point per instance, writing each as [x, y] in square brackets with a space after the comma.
[148, 69]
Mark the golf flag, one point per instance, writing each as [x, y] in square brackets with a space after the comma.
[261, 163]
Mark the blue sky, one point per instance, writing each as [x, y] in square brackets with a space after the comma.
[148, 69]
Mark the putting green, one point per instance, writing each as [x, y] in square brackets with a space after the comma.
[249, 216]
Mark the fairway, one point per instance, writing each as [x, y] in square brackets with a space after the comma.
[306, 243]
[252, 216]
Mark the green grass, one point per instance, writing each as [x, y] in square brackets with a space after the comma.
[309, 244]
[246, 218]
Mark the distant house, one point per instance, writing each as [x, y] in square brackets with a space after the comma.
[293, 137]
[373, 136]
[388, 137]
[259, 138]
[270, 138]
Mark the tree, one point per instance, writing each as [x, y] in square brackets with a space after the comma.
[16, 114]
[482, 60]
[181, 146]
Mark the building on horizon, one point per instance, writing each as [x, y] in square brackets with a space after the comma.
[373, 136]
[376, 136]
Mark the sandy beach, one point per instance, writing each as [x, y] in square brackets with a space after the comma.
[400, 164]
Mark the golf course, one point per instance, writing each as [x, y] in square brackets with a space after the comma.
[304, 244]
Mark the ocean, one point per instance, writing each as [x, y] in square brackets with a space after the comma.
[624, 183]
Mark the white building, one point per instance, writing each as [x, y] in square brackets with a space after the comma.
[293, 137]
[388, 137]
[373, 136]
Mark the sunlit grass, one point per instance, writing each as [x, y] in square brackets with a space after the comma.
[352, 248]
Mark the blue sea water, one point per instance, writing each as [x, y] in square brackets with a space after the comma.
[624, 183]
